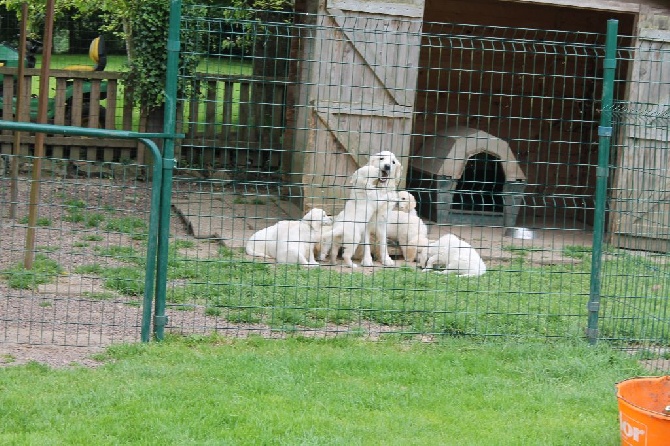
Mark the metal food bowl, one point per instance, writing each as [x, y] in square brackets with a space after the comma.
[520, 233]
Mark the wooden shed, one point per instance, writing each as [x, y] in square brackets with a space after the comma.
[640, 197]
[377, 75]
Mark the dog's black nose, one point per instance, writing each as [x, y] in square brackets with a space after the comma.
[387, 167]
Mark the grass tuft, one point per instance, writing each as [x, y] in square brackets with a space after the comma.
[43, 271]
[136, 227]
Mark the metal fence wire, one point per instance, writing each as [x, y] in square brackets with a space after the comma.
[495, 133]
[88, 250]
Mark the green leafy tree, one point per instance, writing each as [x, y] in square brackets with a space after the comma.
[148, 20]
[115, 14]
[112, 11]
[252, 13]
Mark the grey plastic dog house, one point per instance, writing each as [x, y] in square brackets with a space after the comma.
[467, 176]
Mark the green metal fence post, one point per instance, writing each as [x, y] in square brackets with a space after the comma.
[169, 122]
[605, 136]
[152, 243]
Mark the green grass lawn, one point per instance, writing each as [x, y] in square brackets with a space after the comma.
[336, 392]
[232, 66]
[521, 299]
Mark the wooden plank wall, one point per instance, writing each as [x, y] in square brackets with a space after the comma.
[640, 209]
[358, 79]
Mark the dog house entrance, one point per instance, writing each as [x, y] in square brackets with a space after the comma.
[481, 185]
[467, 176]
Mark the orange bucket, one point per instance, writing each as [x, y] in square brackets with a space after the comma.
[644, 411]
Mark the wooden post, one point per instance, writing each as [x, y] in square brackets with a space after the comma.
[39, 137]
[16, 149]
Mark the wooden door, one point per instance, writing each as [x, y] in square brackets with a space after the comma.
[362, 74]
[640, 217]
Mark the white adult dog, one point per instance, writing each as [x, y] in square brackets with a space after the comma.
[406, 228]
[290, 241]
[456, 255]
[391, 172]
[349, 227]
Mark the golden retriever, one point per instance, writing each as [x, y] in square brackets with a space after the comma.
[391, 172]
[349, 226]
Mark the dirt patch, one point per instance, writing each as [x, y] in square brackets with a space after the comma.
[55, 356]
[67, 320]
[231, 218]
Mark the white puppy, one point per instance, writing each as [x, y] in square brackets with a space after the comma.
[409, 231]
[456, 255]
[406, 202]
[289, 241]
[350, 225]
[320, 223]
[391, 172]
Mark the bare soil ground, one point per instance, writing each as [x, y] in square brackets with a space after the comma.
[66, 322]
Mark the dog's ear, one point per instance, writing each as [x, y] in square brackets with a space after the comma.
[412, 201]
[399, 172]
[403, 201]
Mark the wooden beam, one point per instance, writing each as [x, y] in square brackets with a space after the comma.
[403, 8]
[603, 5]
[73, 141]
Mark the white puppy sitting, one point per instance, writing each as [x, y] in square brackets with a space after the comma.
[320, 223]
[350, 225]
[290, 241]
[406, 228]
[391, 172]
[406, 202]
[456, 255]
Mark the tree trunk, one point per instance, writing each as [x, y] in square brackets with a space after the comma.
[152, 122]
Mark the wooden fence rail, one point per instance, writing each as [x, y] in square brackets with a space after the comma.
[235, 120]
[74, 99]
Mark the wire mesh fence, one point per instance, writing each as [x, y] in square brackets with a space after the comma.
[635, 312]
[494, 133]
[87, 249]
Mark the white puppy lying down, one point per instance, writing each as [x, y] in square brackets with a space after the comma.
[456, 255]
[349, 226]
[290, 241]
[409, 231]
